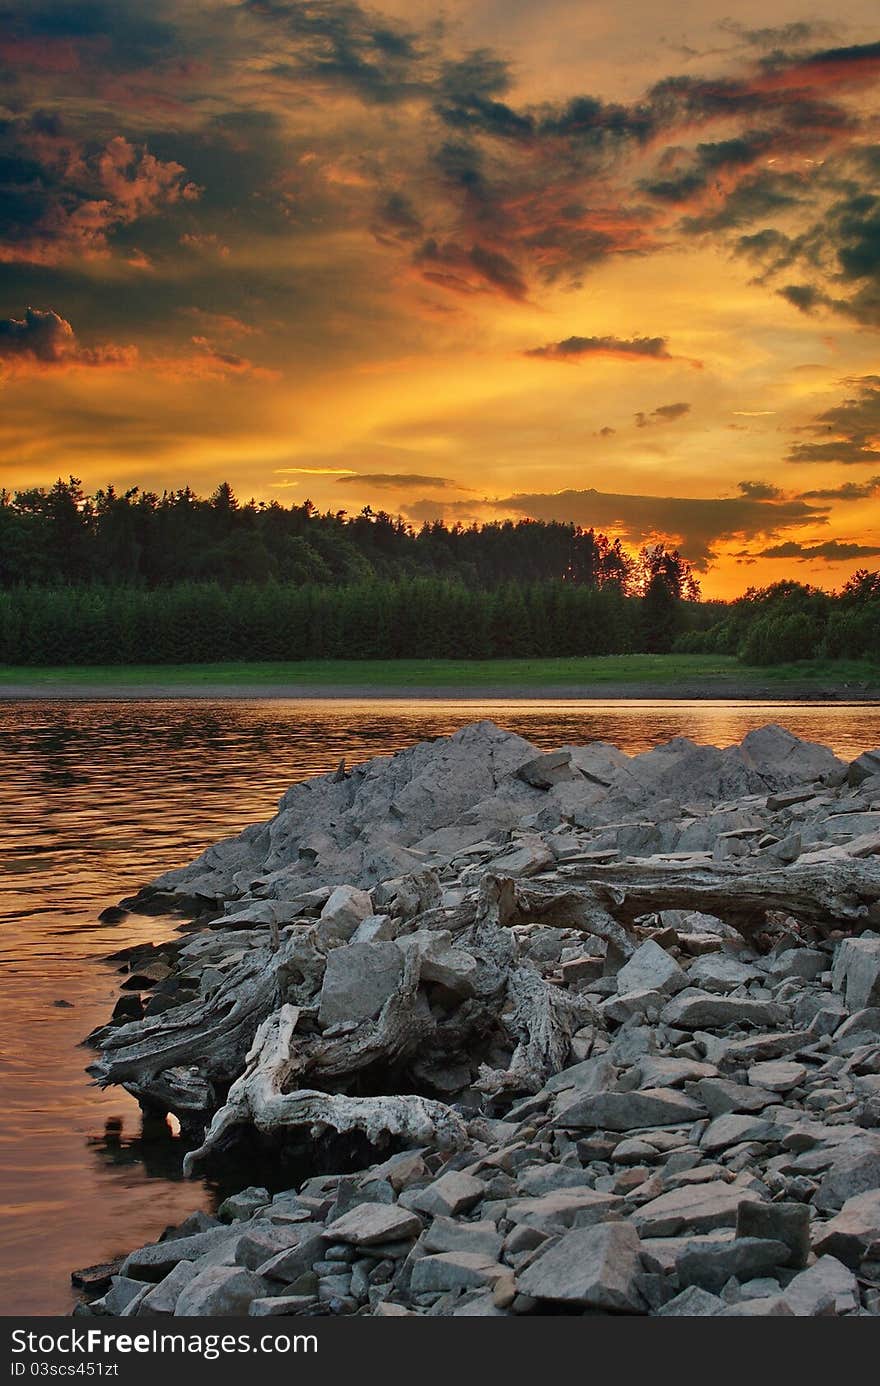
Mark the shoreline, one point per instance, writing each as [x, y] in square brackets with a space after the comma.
[524, 1123]
[704, 690]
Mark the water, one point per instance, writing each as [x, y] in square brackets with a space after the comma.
[98, 798]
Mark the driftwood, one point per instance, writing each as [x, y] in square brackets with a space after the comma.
[259, 1098]
[211, 1035]
[824, 894]
[257, 1037]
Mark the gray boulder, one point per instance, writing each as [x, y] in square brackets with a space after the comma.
[358, 981]
[856, 971]
[220, 1291]
[597, 1267]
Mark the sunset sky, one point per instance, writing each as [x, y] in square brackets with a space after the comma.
[544, 258]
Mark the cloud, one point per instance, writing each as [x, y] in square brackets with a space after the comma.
[847, 491]
[664, 413]
[776, 36]
[43, 340]
[759, 490]
[832, 551]
[401, 479]
[625, 348]
[472, 270]
[314, 471]
[64, 203]
[695, 524]
[339, 45]
[849, 432]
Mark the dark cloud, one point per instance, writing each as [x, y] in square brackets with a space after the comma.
[396, 217]
[43, 339]
[399, 479]
[129, 35]
[664, 413]
[759, 490]
[760, 194]
[698, 169]
[477, 269]
[587, 121]
[337, 43]
[832, 551]
[696, 524]
[468, 93]
[780, 35]
[838, 252]
[849, 432]
[847, 491]
[62, 200]
[573, 348]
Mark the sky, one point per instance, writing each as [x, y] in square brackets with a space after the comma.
[526, 258]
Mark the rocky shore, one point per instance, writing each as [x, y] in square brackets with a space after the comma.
[549, 1033]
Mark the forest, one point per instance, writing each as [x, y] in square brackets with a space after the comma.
[124, 577]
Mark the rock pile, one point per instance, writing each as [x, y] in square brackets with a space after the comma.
[585, 1033]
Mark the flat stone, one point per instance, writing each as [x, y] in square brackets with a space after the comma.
[260, 1240]
[863, 767]
[781, 1222]
[629, 1111]
[699, 1208]
[219, 1291]
[805, 963]
[711, 1264]
[346, 908]
[692, 1303]
[720, 1096]
[702, 1010]
[564, 1208]
[733, 1128]
[162, 1298]
[454, 1192]
[772, 1307]
[597, 1267]
[855, 1169]
[651, 969]
[455, 1270]
[371, 1223]
[281, 1306]
[447, 1234]
[153, 1262]
[244, 1204]
[545, 1178]
[358, 980]
[854, 1232]
[856, 971]
[543, 772]
[663, 1072]
[122, 1291]
[287, 1266]
[777, 1076]
[526, 860]
[826, 1285]
[642, 1005]
[716, 972]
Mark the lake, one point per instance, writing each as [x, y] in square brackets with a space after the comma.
[98, 798]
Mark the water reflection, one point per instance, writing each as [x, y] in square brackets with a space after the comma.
[96, 799]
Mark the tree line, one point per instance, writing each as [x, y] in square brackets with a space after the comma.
[416, 618]
[62, 537]
[113, 578]
[791, 621]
